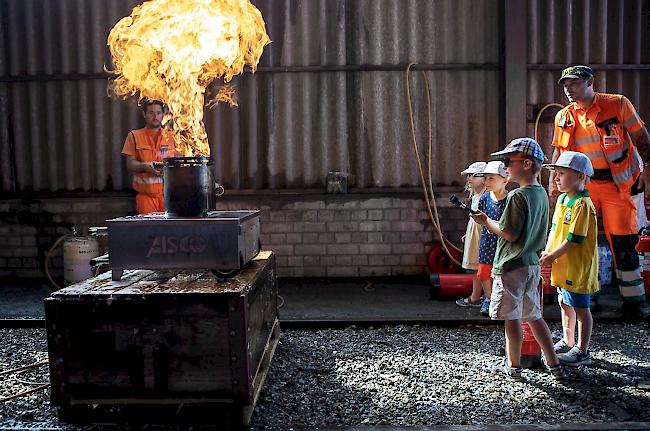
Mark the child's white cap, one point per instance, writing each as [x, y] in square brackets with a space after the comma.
[494, 167]
[573, 160]
[474, 168]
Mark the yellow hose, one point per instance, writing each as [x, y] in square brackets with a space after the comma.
[428, 192]
[539, 115]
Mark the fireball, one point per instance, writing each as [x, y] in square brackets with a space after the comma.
[172, 50]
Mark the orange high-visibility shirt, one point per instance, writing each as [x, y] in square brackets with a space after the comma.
[586, 138]
[146, 145]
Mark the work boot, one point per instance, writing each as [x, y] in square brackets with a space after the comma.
[635, 311]
[594, 306]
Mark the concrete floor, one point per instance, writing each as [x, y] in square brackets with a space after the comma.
[323, 301]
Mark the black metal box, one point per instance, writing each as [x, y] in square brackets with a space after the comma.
[158, 338]
[225, 241]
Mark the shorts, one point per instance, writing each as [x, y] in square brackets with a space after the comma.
[516, 295]
[572, 299]
[484, 271]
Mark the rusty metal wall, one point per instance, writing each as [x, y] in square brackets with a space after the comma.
[613, 35]
[330, 94]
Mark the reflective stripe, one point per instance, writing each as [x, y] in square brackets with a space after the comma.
[631, 291]
[616, 155]
[587, 140]
[633, 119]
[148, 180]
[628, 276]
[595, 154]
[626, 175]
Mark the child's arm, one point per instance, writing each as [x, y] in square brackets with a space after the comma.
[493, 226]
[547, 257]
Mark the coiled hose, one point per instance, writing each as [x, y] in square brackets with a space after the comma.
[427, 184]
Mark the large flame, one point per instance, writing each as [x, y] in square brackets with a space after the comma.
[172, 50]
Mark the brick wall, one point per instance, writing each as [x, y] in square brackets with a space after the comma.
[313, 234]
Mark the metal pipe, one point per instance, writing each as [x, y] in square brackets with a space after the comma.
[27, 392]
[24, 367]
[271, 69]
[338, 68]
[560, 66]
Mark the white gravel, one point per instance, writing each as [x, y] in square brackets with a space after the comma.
[403, 376]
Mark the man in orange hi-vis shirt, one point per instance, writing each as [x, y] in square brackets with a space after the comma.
[145, 150]
[607, 129]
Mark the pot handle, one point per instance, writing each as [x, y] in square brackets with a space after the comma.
[218, 193]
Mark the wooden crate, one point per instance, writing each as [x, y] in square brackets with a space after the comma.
[180, 339]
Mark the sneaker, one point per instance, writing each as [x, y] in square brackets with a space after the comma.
[575, 357]
[485, 308]
[467, 302]
[561, 347]
[557, 371]
[502, 367]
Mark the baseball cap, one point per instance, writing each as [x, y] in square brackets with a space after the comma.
[574, 72]
[528, 146]
[474, 168]
[573, 160]
[494, 167]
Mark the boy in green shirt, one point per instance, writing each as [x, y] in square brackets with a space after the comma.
[522, 237]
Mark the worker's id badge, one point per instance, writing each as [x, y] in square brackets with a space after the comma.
[610, 141]
[165, 152]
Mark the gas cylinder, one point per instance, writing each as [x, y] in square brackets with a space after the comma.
[450, 285]
[77, 253]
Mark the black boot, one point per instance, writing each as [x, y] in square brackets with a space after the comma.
[635, 311]
[594, 306]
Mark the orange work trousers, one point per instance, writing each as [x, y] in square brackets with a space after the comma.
[149, 203]
[618, 213]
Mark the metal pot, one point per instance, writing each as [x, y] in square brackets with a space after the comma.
[189, 188]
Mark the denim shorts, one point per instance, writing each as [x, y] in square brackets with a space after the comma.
[572, 299]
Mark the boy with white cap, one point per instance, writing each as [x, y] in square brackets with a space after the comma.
[522, 236]
[572, 252]
[492, 204]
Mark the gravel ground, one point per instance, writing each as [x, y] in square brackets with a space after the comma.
[403, 376]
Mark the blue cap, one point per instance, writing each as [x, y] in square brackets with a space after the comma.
[526, 146]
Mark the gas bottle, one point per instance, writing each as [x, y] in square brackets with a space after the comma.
[77, 252]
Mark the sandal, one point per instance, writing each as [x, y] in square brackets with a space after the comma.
[467, 302]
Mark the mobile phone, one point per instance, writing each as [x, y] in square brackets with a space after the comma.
[454, 200]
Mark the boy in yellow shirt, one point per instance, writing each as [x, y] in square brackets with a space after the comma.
[572, 251]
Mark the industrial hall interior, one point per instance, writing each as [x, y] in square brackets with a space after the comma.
[324, 214]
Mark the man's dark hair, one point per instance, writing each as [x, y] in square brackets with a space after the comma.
[149, 102]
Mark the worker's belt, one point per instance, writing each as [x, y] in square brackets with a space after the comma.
[602, 175]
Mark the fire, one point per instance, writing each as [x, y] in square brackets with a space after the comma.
[172, 50]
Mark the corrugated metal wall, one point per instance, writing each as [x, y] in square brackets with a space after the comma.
[330, 93]
[292, 125]
[614, 33]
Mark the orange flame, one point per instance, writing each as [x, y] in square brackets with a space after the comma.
[171, 50]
